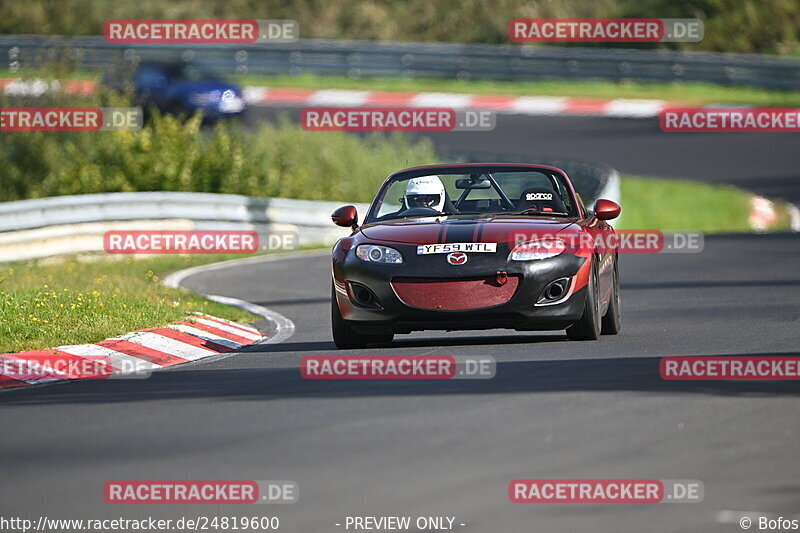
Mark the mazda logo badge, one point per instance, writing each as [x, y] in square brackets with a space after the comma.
[457, 258]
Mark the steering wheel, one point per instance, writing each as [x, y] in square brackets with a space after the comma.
[420, 212]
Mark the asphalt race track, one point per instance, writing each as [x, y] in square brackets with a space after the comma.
[556, 409]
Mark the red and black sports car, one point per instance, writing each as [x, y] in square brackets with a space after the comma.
[475, 246]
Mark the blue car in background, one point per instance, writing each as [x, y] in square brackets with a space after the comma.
[180, 88]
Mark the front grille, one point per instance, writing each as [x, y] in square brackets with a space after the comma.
[455, 295]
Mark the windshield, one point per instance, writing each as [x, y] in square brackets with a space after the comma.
[190, 72]
[477, 191]
[149, 74]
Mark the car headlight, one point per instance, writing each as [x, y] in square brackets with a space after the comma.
[229, 96]
[540, 249]
[230, 102]
[378, 254]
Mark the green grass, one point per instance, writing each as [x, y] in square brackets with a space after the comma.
[681, 93]
[683, 205]
[66, 73]
[690, 93]
[48, 303]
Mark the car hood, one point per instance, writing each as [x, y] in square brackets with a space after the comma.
[495, 228]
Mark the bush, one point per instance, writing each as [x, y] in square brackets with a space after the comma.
[276, 159]
[760, 26]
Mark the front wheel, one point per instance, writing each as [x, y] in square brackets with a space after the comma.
[588, 327]
[344, 336]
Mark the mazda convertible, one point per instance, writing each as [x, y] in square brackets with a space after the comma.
[475, 246]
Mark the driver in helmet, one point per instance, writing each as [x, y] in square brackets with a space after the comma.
[425, 191]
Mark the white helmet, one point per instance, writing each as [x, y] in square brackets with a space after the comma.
[425, 191]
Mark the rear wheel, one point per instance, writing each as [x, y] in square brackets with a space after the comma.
[611, 323]
[345, 337]
[588, 327]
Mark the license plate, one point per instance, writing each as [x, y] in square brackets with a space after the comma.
[446, 248]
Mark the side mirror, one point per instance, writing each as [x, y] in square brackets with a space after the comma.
[606, 209]
[346, 216]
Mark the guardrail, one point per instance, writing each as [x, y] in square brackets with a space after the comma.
[369, 59]
[44, 227]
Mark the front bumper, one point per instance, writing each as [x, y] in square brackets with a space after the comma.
[500, 307]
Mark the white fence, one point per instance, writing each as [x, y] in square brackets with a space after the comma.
[71, 224]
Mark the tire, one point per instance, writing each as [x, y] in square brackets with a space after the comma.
[344, 337]
[611, 323]
[588, 327]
